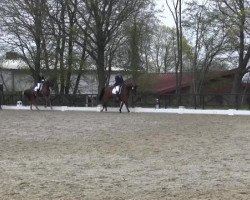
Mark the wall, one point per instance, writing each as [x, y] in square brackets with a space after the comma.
[19, 80]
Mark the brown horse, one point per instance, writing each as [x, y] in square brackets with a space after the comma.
[106, 95]
[44, 92]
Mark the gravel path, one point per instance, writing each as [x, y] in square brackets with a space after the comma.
[106, 156]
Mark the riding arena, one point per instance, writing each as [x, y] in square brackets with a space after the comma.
[52, 154]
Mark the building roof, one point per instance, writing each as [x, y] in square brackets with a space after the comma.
[14, 64]
[20, 64]
[166, 83]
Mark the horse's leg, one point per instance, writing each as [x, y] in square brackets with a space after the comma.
[34, 103]
[121, 105]
[102, 108]
[126, 104]
[36, 106]
[50, 103]
[46, 102]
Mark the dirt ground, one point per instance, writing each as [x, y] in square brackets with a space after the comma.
[106, 156]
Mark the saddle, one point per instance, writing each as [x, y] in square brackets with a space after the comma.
[116, 89]
[38, 91]
[41, 87]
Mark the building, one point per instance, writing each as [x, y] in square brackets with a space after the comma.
[15, 77]
[215, 82]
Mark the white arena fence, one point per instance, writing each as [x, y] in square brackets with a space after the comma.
[190, 101]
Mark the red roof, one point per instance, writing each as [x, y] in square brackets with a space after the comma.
[167, 83]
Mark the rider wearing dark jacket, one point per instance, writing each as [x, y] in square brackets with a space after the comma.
[39, 84]
[118, 80]
[118, 84]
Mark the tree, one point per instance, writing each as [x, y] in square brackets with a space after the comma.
[24, 22]
[176, 11]
[235, 17]
[163, 50]
[134, 43]
[99, 21]
[44, 33]
[208, 38]
[135, 52]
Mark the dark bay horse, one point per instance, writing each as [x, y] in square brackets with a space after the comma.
[44, 93]
[106, 94]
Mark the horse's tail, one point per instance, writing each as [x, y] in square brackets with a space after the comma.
[101, 94]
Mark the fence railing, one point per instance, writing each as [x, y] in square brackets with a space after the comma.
[81, 100]
[196, 101]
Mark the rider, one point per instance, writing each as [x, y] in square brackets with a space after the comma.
[118, 84]
[39, 84]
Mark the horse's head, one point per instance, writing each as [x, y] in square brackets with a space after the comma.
[49, 83]
[134, 89]
[132, 86]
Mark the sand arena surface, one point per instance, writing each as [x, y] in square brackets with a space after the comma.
[106, 156]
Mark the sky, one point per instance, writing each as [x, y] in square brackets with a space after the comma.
[166, 16]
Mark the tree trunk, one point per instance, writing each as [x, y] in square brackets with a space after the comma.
[80, 70]
[100, 68]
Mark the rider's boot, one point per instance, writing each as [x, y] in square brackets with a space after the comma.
[117, 96]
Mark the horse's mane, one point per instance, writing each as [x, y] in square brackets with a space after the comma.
[49, 82]
[130, 83]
